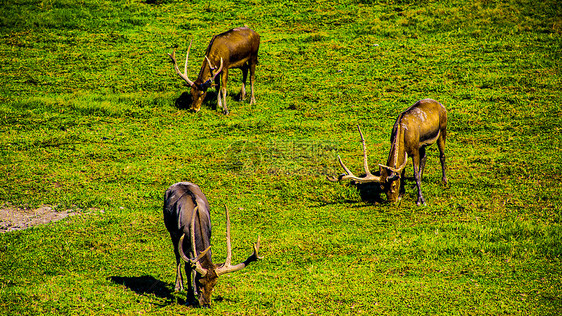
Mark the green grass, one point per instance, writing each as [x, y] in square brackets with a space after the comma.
[89, 123]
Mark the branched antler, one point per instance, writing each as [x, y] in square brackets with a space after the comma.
[227, 267]
[348, 175]
[182, 75]
[212, 68]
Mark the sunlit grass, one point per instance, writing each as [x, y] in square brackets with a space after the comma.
[89, 123]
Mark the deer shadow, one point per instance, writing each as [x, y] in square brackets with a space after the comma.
[184, 101]
[145, 285]
[370, 192]
[148, 285]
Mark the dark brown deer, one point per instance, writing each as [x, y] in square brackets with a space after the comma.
[421, 125]
[187, 213]
[237, 48]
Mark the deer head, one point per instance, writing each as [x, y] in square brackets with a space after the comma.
[389, 178]
[207, 276]
[198, 87]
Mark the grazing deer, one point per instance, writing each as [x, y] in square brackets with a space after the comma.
[187, 213]
[237, 48]
[421, 125]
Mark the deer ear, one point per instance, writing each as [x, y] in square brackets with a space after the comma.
[394, 176]
[206, 85]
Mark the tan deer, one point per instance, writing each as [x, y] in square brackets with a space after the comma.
[236, 48]
[421, 125]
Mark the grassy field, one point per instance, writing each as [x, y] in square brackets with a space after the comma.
[91, 122]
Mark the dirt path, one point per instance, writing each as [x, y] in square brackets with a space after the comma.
[12, 218]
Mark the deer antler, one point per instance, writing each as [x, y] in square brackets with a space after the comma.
[227, 267]
[399, 169]
[211, 67]
[195, 261]
[369, 177]
[182, 75]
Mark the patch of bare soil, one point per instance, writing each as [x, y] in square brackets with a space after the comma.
[13, 218]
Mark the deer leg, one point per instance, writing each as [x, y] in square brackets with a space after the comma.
[441, 146]
[191, 289]
[179, 277]
[417, 176]
[422, 161]
[402, 187]
[243, 89]
[224, 78]
[252, 79]
[218, 87]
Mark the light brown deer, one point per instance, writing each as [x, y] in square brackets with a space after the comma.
[421, 125]
[187, 213]
[236, 48]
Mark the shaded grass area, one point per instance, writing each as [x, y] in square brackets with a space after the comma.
[89, 120]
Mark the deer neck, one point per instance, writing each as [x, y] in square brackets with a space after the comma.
[204, 74]
[396, 155]
[203, 217]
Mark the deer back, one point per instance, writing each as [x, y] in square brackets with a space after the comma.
[236, 47]
[419, 125]
[179, 204]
